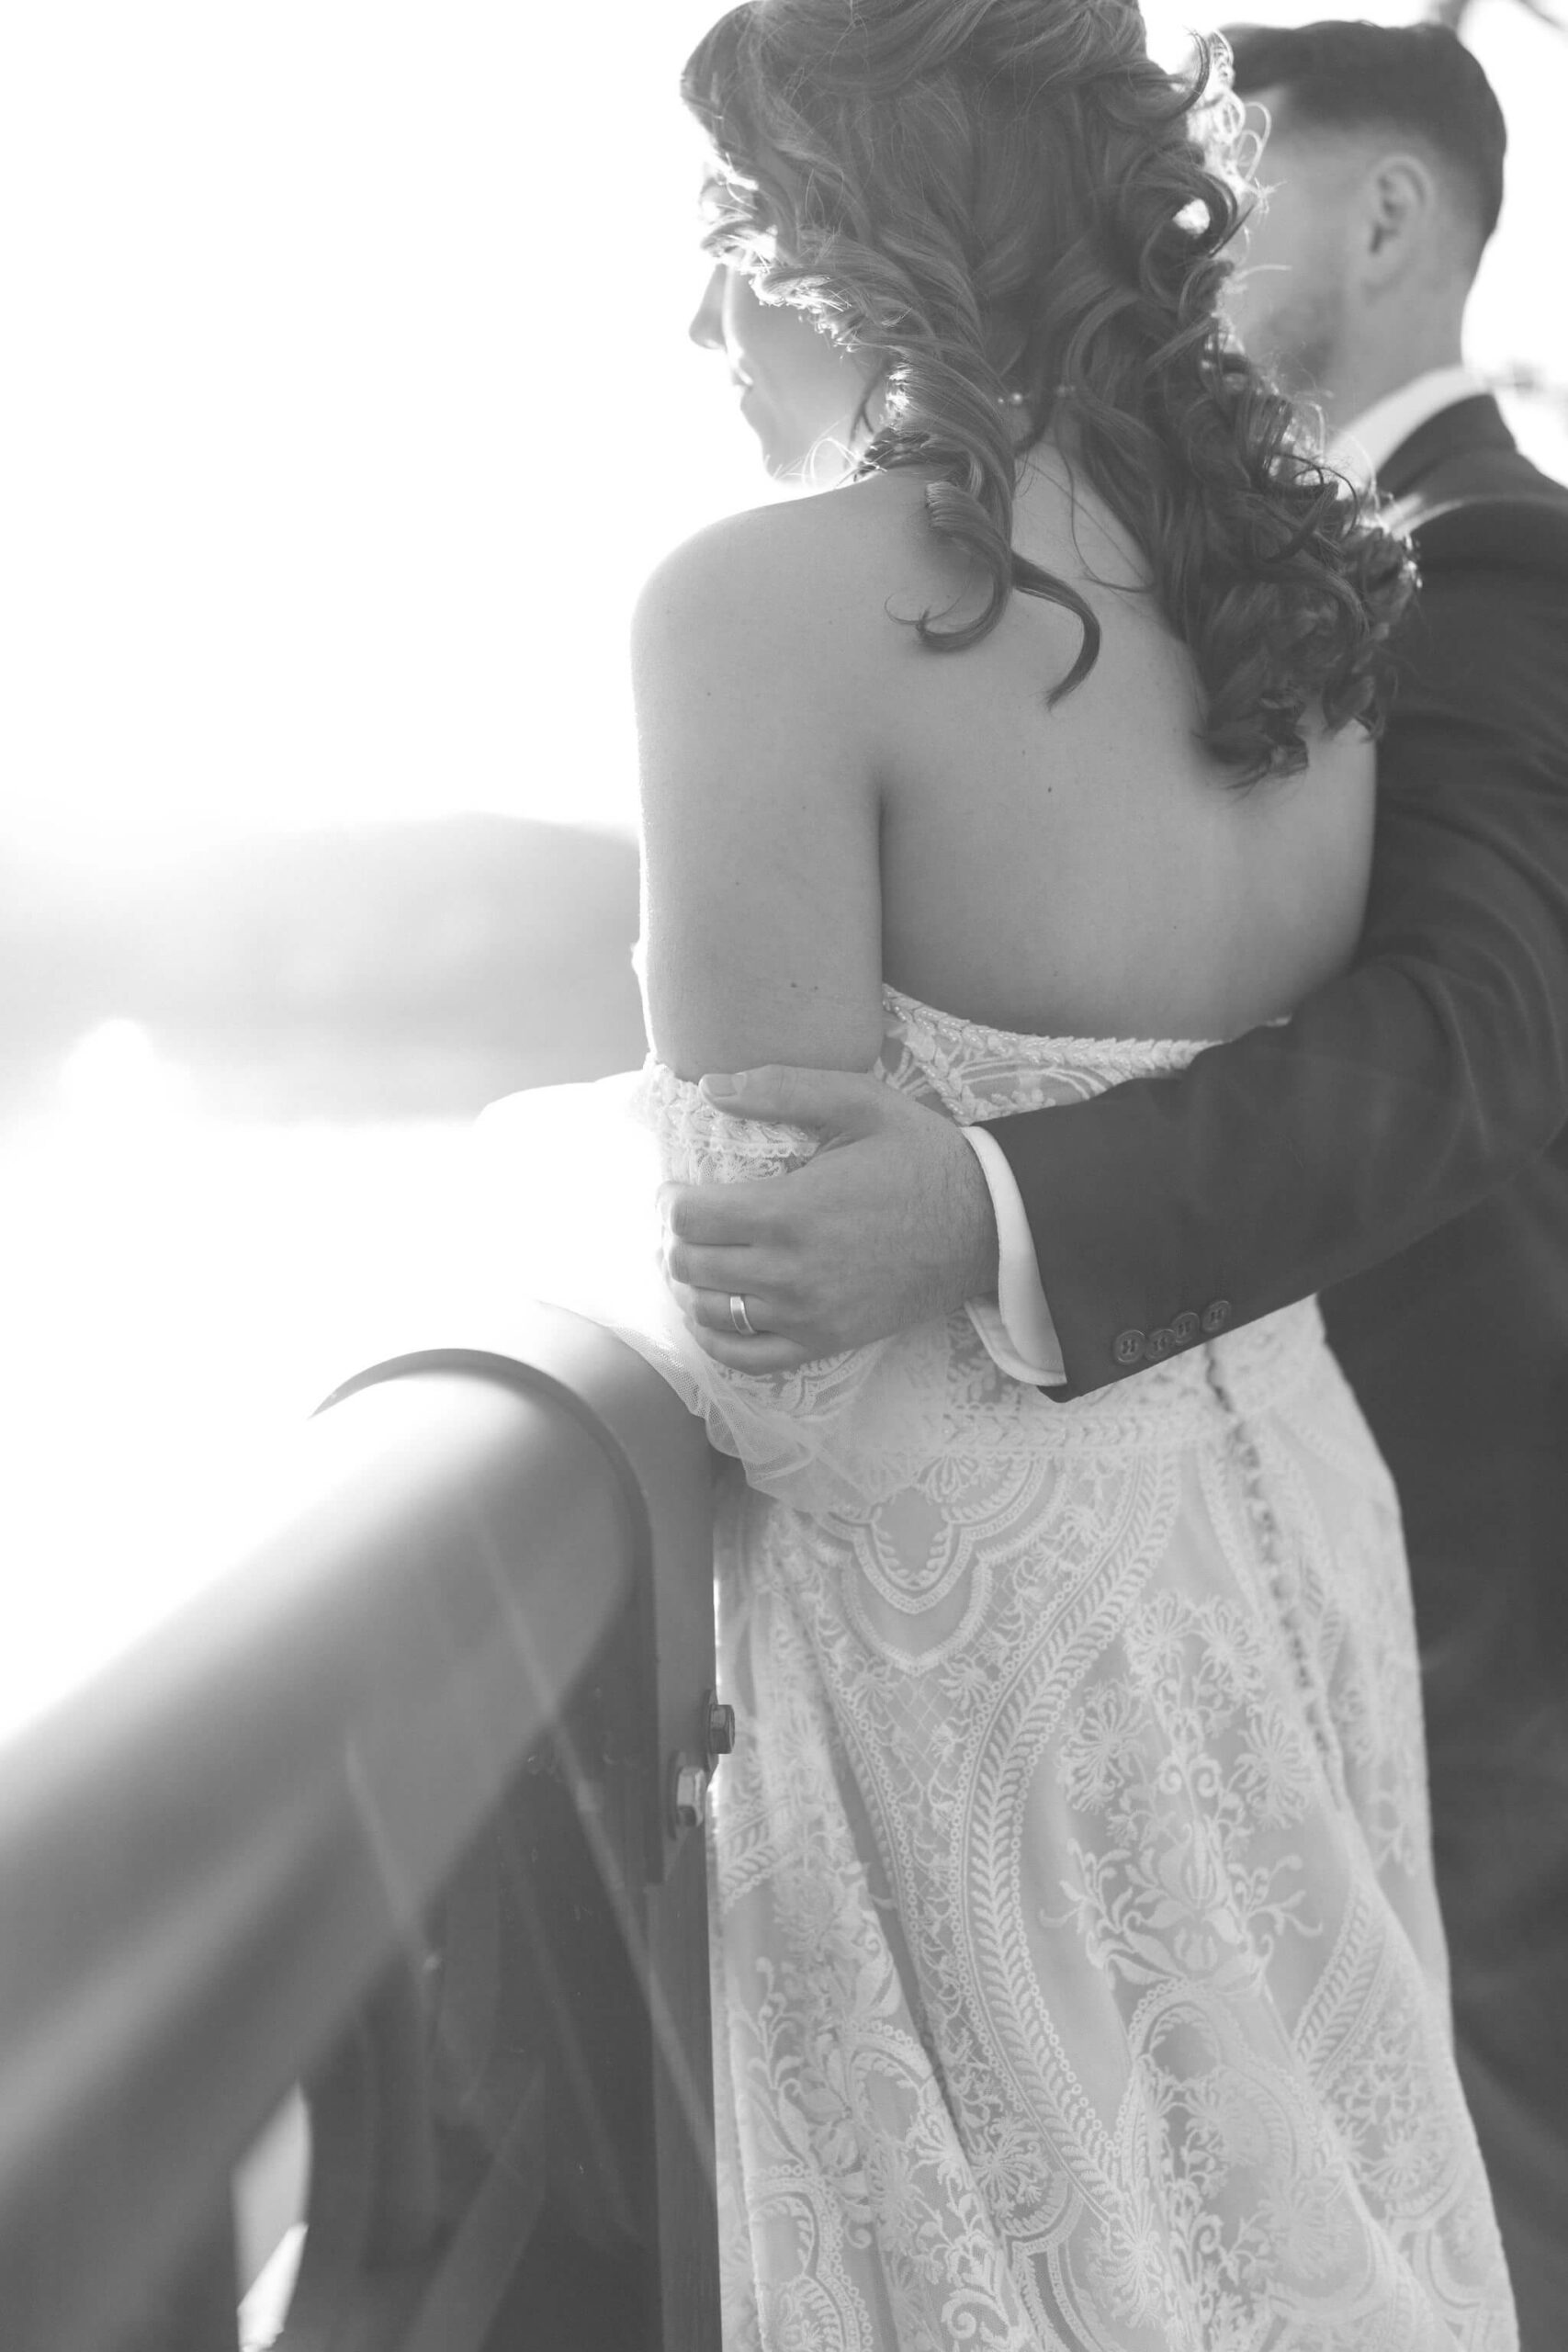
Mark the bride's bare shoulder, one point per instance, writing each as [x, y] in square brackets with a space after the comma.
[818, 577]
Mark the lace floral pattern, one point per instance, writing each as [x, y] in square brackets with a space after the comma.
[1078, 1972]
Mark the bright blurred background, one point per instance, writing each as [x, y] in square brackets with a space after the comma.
[348, 401]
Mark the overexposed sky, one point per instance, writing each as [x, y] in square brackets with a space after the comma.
[348, 396]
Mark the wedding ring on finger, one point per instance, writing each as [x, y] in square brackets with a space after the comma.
[738, 1317]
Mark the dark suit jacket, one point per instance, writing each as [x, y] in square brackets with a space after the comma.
[1401, 1146]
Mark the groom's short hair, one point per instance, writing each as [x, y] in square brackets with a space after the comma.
[1340, 74]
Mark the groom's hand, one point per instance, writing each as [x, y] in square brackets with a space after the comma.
[889, 1225]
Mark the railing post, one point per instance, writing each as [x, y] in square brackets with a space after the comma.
[195, 2312]
[619, 1854]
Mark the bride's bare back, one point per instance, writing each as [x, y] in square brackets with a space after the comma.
[830, 802]
[1087, 870]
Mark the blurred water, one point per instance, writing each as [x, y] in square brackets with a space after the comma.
[177, 1293]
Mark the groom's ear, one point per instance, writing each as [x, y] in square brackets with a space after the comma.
[1400, 198]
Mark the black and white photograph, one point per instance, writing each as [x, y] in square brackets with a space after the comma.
[783, 1177]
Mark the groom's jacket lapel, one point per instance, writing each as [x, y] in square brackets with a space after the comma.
[1465, 451]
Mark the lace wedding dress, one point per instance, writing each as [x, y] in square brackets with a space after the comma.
[1079, 1977]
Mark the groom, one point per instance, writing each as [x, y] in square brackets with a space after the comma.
[1401, 1145]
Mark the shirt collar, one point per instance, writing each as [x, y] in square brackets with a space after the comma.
[1370, 439]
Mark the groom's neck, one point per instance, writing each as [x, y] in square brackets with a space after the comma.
[1369, 369]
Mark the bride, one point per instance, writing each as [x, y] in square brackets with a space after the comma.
[1079, 1976]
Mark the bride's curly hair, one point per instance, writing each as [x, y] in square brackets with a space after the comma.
[1007, 205]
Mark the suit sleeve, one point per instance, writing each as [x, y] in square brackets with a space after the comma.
[1397, 1096]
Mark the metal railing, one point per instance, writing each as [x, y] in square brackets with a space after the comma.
[389, 1809]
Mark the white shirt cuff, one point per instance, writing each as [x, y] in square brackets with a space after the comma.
[1015, 1326]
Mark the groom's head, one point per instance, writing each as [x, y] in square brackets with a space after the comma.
[1384, 158]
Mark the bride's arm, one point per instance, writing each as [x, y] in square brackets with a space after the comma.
[761, 911]
[762, 937]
